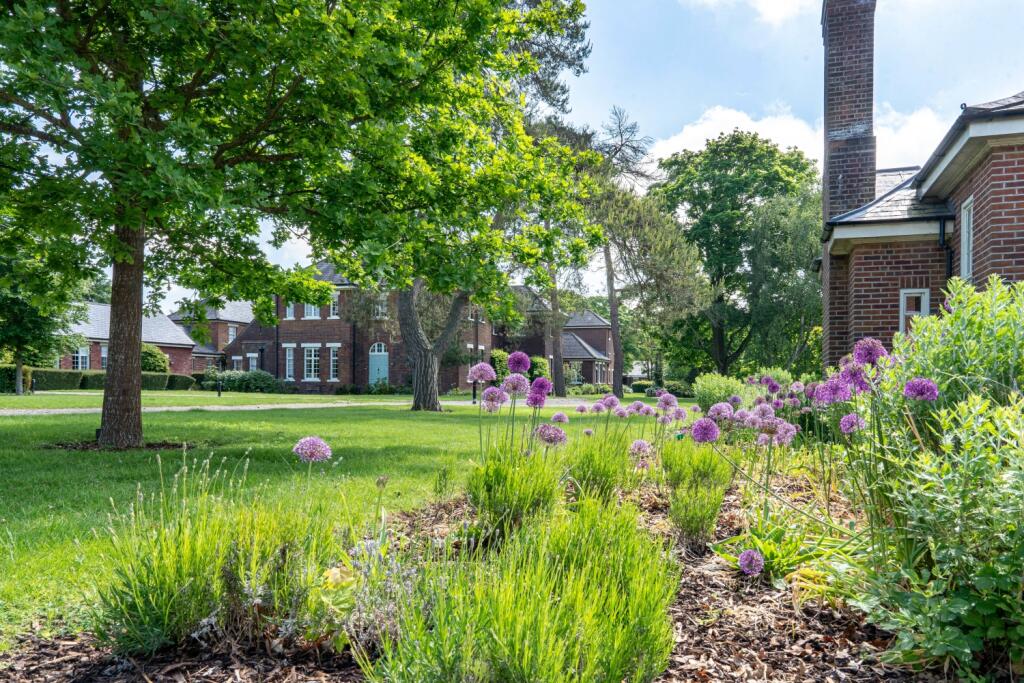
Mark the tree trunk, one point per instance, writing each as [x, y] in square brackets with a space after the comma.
[121, 421]
[613, 315]
[19, 377]
[424, 355]
[555, 334]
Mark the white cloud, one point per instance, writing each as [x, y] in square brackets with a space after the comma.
[774, 12]
[903, 139]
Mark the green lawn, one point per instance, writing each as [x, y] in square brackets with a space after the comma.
[54, 503]
[94, 399]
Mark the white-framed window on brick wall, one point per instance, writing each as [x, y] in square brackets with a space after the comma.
[333, 362]
[967, 239]
[289, 362]
[289, 311]
[80, 358]
[103, 356]
[333, 313]
[311, 364]
[913, 303]
[311, 311]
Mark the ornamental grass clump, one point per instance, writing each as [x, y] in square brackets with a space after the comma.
[508, 488]
[555, 605]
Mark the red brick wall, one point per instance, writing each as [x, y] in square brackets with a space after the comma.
[877, 273]
[180, 358]
[836, 307]
[997, 185]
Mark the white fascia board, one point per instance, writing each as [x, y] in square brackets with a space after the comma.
[976, 132]
[333, 345]
[289, 345]
[316, 345]
[843, 236]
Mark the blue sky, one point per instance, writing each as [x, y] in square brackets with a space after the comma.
[688, 69]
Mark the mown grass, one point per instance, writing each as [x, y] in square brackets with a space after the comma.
[54, 503]
[94, 399]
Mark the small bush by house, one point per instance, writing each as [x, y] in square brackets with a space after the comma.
[52, 379]
[252, 381]
[154, 381]
[180, 382]
[641, 386]
[711, 388]
[154, 360]
[93, 379]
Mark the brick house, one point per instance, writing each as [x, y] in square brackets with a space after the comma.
[223, 325]
[894, 237]
[587, 349]
[158, 330]
[320, 348]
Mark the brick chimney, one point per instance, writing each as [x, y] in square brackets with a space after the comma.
[848, 29]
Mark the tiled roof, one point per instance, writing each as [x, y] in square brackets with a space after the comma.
[205, 350]
[898, 204]
[1014, 104]
[574, 348]
[586, 318]
[535, 303]
[156, 329]
[888, 178]
[330, 274]
[231, 311]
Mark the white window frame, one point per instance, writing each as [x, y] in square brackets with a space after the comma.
[967, 239]
[232, 333]
[254, 361]
[80, 358]
[289, 362]
[926, 307]
[332, 312]
[289, 311]
[236, 363]
[310, 363]
[333, 362]
[104, 356]
[380, 307]
[310, 312]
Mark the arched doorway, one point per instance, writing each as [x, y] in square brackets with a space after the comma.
[378, 364]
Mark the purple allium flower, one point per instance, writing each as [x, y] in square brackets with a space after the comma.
[637, 405]
[763, 411]
[536, 399]
[868, 350]
[598, 407]
[855, 376]
[921, 389]
[581, 408]
[810, 389]
[588, 432]
[848, 424]
[751, 562]
[494, 395]
[560, 417]
[621, 412]
[482, 372]
[664, 420]
[777, 404]
[646, 411]
[516, 384]
[785, 433]
[793, 402]
[518, 362]
[704, 430]
[643, 465]
[610, 401]
[667, 401]
[833, 390]
[735, 400]
[741, 415]
[720, 411]
[773, 386]
[640, 448]
[550, 435]
[695, 410]
[796, 387]
[947, 306]
[312, 449]
[541, 385]
[758, 400]
[679, 414]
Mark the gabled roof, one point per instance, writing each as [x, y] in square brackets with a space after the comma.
[574, 348]
[900, 204]
[205, 350]
[329, 273]
[888, 178]
[156, 329]
[231, 311]
[586, 318]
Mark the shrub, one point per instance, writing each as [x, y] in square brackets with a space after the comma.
[539, 367]
[155, 381]
[154, 360]
[93, 379]
[180, 382]
[251, 381]
[693, 465]
[7, 378]
[499, 360]
[641, 386]
[694, 512]
[51, 379]
[554, 605]
[601, 466]
[678, 388]
[506, 489]
[711, 388]
[783, 377]
[199, 377]
[348, 389]
[206, 557]
[651, 392]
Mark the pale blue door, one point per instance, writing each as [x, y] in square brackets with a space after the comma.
[378, 364]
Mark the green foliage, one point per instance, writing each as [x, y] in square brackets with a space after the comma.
[641, 386]
[678, 388]
[954, 594]
[252, 381]
[205, 556]
[711, 388]
[499, 360]
[539, 367]
[93, 379]
[52, 379]
[783, 377]
[600, 466]
[694, 513]
[553, 606]
[154, 360]
[180, 382]
[7, 378]
[784, 541]
[589, 389]
[688, 464]
[507, 489]
[155, 381]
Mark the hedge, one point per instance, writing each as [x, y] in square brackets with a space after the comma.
[93, 379]
[48, 379]
[7, 379]
[180, 382]
[155, 380]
